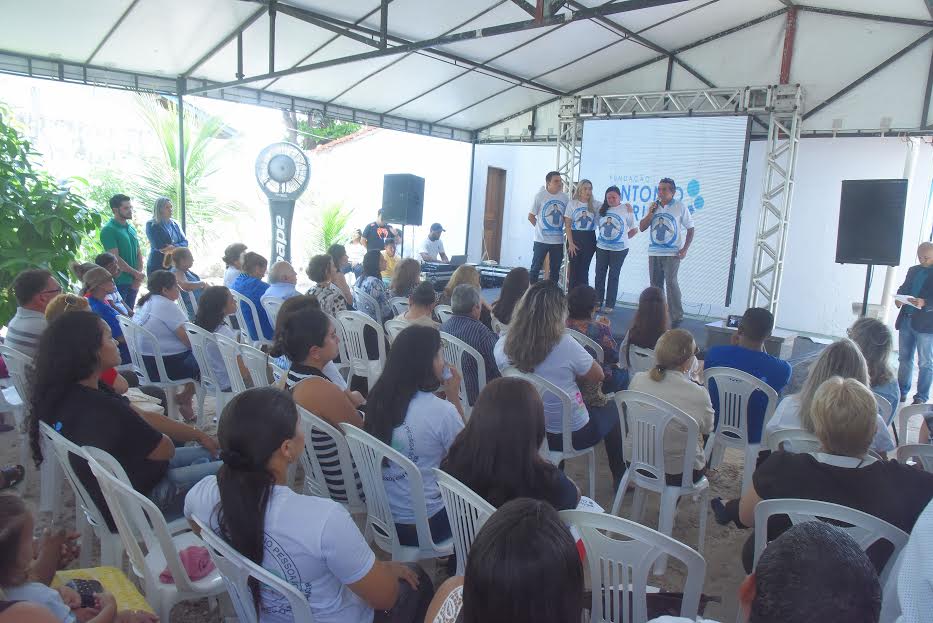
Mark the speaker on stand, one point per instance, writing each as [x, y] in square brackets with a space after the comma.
[402, 201]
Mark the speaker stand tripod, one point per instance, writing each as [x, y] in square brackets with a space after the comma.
[868, 274]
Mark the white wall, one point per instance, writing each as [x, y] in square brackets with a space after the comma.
[817, 293]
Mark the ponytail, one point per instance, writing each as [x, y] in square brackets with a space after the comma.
[657, 373]
[172, 257]
[159, 280]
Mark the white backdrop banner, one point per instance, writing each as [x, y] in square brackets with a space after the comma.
[705, 158]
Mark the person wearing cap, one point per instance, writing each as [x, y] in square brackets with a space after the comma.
[391, 258]
[432, 248]
[97, 284]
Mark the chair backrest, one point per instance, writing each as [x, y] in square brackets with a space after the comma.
[202, 340]
[923, 452]
[735, 388]
[885, 410]
[236, 570]
[394, 327]
[864, 528]
[186, 299]
[399, 305]
[369, 455]
[20, 366]
[257, 362]
[230, 353]
[443, 312]
[640, 359]
[795, 440]
[139, 521]
[455, 350]
[589, 344]
[135, 335]
[467, 512]
[341, 338]
[272, 305]
[904, 415]
[327, 475]
[354, 326]
[544, 388]
[619, 569]
[647, 418]
[241, 319]
[368, 305]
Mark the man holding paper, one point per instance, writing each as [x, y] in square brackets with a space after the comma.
[915, 326]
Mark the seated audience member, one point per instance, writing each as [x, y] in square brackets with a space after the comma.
[669, 380]
[356, 249]
[907, 593]
[651, 321]
[406, 278]
[159, 314]
[97, 284]
[538, 342]
[33, 290]
[338, 253]
[249, 502]
[581, 307]
[68, 396]
[403, 412]
[497, 454]
[843, 413]
[421, 306]
[302, 302]
[513, 287]
[465, 325]
[250, 284]
[391, 258]
[321, 271]
[216, 305]
[371, 283]
[18, 584]
[282, 280]
[524, 567]
[109, 261]
[875, 341]
[466, 274]
[20, 611]
[179, 262]
[233, 260]
[747, 353]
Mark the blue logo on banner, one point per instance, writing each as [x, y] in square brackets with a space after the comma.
[695, 201]
[663, 230]
[552, 216]
[611, 228]
[583, 219]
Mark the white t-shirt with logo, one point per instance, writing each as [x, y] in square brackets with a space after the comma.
[612, 232]
[581, 219]
[668, 231]
[161, 317]
[430, 426]
[566, 361]
[310, 542]
[432, 248]
[549, 210]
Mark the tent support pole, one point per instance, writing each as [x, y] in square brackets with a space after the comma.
[181, 153]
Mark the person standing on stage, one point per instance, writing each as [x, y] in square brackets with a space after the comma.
[547, 216]
[580, 227]
[671, 235]
[616, 227]
[375, 234]
[432, 249]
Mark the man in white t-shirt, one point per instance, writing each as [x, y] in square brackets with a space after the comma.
[432, 249]
[547, 216]
[671, 235]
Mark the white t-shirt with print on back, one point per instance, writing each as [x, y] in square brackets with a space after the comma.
[668, 230]
[432, 248]
[549, 211]
[430, 426]
[612, 232]
[566, 361]
[161, 317]
[581, 219]
[310, 542]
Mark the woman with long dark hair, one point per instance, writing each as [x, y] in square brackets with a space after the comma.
[497, 454]
[580, 226]
[582, 305]
[616, 227]
[513, 288]
[371, 283]
[310, 542]
[215, 306]
[403, 412]
[651, 321]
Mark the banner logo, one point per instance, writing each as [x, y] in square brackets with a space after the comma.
[695, 201]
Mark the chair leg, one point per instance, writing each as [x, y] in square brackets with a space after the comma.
[86, 531]
[111, 551]
[751, 457]
[50, 486]
[666, 523]
[897, 441]
[199, 390]
[718, 451]
[620, 493]
[638, 504]
[703, 500]
[171, 403]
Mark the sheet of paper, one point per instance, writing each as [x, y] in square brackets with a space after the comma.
[904, 299]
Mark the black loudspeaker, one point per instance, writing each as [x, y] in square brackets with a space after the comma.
[402, 199]
[871, 222]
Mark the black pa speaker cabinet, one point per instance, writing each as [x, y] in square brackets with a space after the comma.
[871, 222]
[402, 198]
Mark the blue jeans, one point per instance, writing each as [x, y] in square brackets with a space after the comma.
[186, 469]
[909, 341]
[604, 425]
[128, 292]
[611, 262]
[555, 254]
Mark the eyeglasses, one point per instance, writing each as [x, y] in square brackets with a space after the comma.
[57, 290]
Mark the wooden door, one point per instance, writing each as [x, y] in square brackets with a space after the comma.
[492, 218]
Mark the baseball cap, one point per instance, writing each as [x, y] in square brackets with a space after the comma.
[437, 227]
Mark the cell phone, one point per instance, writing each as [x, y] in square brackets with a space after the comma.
[87, 589]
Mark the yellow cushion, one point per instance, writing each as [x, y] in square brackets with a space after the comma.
[113, 580]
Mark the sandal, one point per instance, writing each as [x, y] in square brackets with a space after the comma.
[12, 475]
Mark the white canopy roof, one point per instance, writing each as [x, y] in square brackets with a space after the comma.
[425, 81]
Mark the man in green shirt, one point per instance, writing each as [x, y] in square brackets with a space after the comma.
[119, 238]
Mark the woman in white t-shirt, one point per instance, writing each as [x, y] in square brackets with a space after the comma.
[215, 306]
[310, 542]
[403, 412]
[580, 227]
[538, 342]
[160, 315]
[233, 260]
[616, 226]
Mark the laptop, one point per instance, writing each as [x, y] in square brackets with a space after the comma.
[457, 260]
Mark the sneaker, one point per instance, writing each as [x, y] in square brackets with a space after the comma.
[608, 310]
[903, 399]
[918, 400]
[719, 511]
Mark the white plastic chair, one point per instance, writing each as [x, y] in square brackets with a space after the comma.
[923, 452]
[619, 569]
[344, 366]
[443, 312]
[545, 387]
[864, 528]
[589, 344]
[230, 353]
[150, 541]
[455, 351]
[795, 440]
[735, 389]
[905, 414]
[201, 343]
[648, 417]
[369, 455]
[236, 570]
[135, 335]
[257, 362]
[467, 512]
[354, 325]
[321, 439]
[89, 520]
[394, 327]
[887, 414]
[368, 305]
[189, 298]
[640, 359]
[20, 367]
[272, 306]
[241, 300]
[399, 305]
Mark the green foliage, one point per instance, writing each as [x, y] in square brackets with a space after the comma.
[308, 136]
[332, 222]
[42, 222]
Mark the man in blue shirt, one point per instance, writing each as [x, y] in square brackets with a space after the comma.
[747, 353]
[915, 327]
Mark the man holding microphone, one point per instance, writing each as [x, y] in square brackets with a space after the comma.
[671, 235]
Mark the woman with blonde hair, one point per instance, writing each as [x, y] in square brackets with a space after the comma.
[580, 224]
[537, 341]
[163, 233]
[469, 275]
[179, 261]
[406, 278]
[670, 380]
